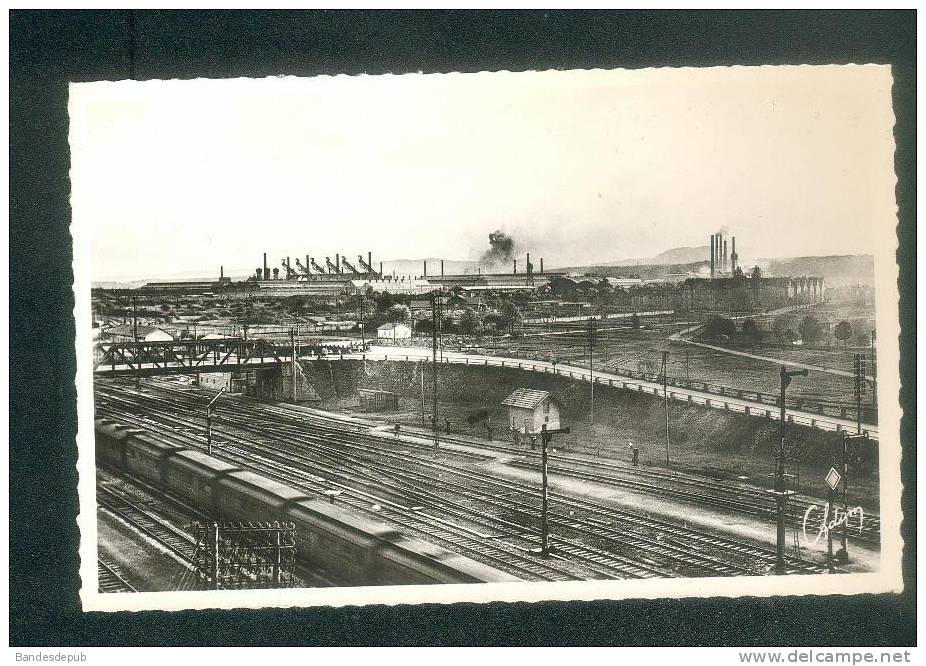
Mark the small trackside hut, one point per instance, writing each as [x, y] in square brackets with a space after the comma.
[530, 409]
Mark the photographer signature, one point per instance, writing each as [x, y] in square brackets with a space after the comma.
[827, 525]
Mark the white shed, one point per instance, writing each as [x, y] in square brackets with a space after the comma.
[394, 332]
[529, 409]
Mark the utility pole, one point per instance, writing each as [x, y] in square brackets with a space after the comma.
[874, 372]
[135, 337]
[665, 393]
[209, 409]
[421, 377]
[292, 338]
[591, 376]
[842, 555]
[434, 321]
[780, 491]
[362, 340]
[546, 436]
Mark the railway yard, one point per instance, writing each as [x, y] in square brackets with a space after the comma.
[488, 428]
[474, 498]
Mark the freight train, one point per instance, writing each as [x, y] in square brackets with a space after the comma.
[327, 537]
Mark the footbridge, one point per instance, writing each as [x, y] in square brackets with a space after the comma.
[148, 359]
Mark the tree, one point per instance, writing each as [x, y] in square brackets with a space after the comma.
[810, 329]
[779, 326]
[751, 331]
[470, 322]
[496, 321]
[843, 332]
[511, 314]
[720, 326]
[398, 313]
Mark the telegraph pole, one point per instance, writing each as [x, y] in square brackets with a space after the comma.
[859, 388]
[665, 393]
[780, 491]
[435, 318]
[842, 555]
[362, 340]
[421, 377]
[874, 373]
[292, 337]
[591, 376]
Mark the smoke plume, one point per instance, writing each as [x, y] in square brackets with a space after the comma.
[501, 248]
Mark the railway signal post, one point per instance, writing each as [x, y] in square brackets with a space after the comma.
[546, 436]
[780, 491]
[209, 409]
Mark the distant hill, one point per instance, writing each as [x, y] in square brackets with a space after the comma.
[676, 255]
[644, 271]
[416, 266]
[835, 269]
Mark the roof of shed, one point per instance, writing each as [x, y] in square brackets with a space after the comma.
[526, 398]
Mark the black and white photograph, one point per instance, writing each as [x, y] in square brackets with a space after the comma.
[493, 336]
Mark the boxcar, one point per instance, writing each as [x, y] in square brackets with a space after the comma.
[192, 475]
[249, 497]
[145, 457]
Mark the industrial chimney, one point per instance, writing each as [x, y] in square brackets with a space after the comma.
[308, 264]
[337, 262]
[713, 258]
[515, 266]
[541, 264]
[442, 268]
[733, 257]
[725, 255]
[221, 272]
[266, 270]
[370, 262]
[425, 268]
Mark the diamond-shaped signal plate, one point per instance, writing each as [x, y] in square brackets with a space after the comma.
[833, 478]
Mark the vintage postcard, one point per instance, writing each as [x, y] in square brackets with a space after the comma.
[497, 336]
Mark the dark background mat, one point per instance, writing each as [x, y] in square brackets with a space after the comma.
[48, 49]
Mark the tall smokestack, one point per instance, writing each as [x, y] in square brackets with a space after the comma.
[529, 267]
[380, 269]
[733, 257]
[266, 270]
[221, 272]
[515, 266]
[425, 268]
[713, 258]
[337, 261]
[308, 264]
[541, 264]
[442, 268]
[370, 261]
[725, 255]
[288, 268]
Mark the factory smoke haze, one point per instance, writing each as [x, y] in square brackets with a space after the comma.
[570, 165]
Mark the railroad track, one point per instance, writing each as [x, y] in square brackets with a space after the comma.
[110, 578]
[148, 522]
[680, 555]
[672, 485]
[509, 558]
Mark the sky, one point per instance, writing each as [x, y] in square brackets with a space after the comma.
[577, 166]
